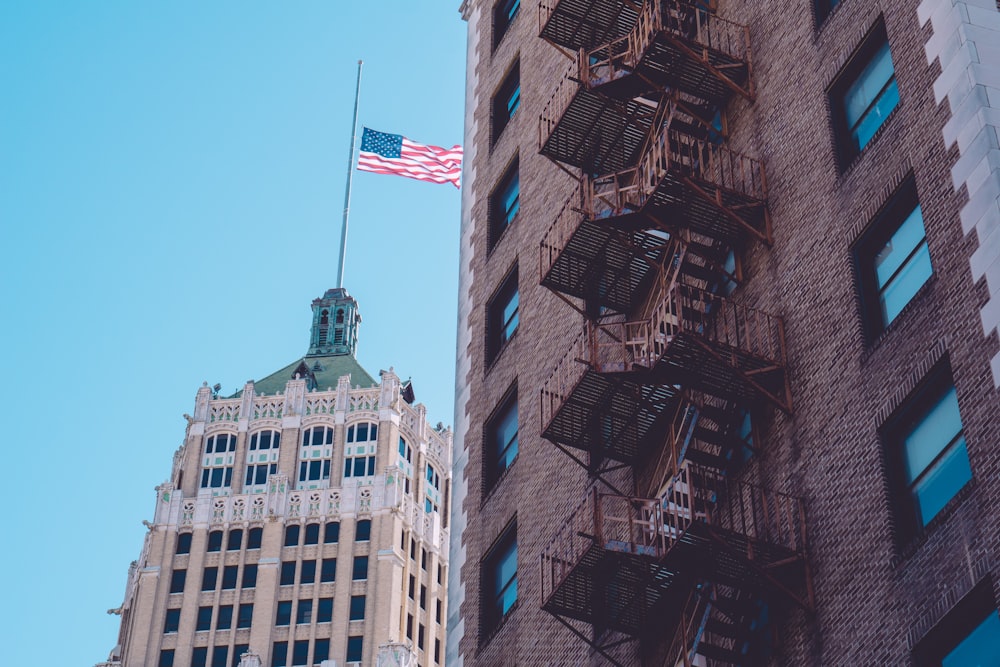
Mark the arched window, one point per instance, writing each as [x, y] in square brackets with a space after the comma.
[183, 543]
[359, 452]
[292, 535]
[331, 533]
[262, 460]
[217, 463]
[235, 540]
[254, 538]
[215, 540]
[314, 457]
[312, 533]
[340, 316]
[363, 531]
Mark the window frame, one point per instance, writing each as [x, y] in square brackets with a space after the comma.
[506, 102]
[957, 625]
[504, 13]
[849, 75]
[896, 211]
[497, 325]
[491, 612]
[493, 452]
[911, 414]
[501, 215]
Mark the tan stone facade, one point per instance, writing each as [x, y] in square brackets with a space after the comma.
[335, 553]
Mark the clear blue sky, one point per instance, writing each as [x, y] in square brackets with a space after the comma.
[171, 188]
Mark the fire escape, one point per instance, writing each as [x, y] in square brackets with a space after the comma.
[658, 386]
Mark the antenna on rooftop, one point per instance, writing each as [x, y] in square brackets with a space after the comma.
[350, 178]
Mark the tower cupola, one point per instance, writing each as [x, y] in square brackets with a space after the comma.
[335, 324]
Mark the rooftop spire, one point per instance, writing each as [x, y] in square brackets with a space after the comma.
[335, 324]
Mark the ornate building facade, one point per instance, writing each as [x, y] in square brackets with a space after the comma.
[728, 355]
[304, 523]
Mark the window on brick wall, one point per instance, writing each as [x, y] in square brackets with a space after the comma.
[324, 610]
[184, 543]
[506, 100]
[254, 538]
[504, 12]
[235, 540]
[927, 447]
[500, 435]
[224, 619]
[300, 652]
[359, 453]
[331, 533]
[863, 95]
[177, 579]
[244, 617]
[250, 575]
[220, 656]
[312, 533]
[172, 620]
[360, 569]
[229, 573]
[209, 578]
[355, 648]
[304, 613]
[283, 615]
[363, 530]
[892, 259]
[238, 652]
[321, 651]
[279, 654]
[262, 460]
[215, 540]
[308, 575]
[217, 462]
[291, 536]
[166, 658]
[966, 636]
[823, 9]
[287, 573]
[357, 612]
[499, 580]
[199, 656]
[504, 203]
[502, 316]
[328, 570]
[204, 620]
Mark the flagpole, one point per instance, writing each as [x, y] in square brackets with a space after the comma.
[350, 178]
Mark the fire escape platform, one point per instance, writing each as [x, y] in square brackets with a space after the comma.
[577, 24]
[600, 263]
[591, 131]
[607, 418]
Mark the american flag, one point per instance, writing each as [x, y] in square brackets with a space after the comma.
[395, 154]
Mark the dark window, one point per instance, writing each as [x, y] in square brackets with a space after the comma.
[357, 607]
[928, 446]
[229, 576]
[199, 656]
[300, 652]
[328, 570]
[499, 579]
[506, 100]
[420, 636]
[503, 14]
[184, 543]
[864, 95]
[224, 620]
[331, 533]
[966, 636]
[304, 613]
[279, 654]
[244, 617]
[250, 575]
[321, 651]
[284, 613]
[288, 573]
[360, 570]
[423, 559]
[235, 540]
[238, 652]
[437, 612]
[440, 573]
[409, 626]
[423, 596]
[892, 259]
[308, 575]
[292, 536]
[172, 620]
[437, 650]
[215, 540]
[204, 619]
[265, 440]
[177, 581]
[209, 578]
[359, 466]
[167, 658]
[254, 537]
[413, 582]
[505, 202]
[218, 470]
[363, 532]
[220, 656]
[823, 9]
[324, 610]
[355, 646]
[501, 316]
[501, 439]
[312, 533]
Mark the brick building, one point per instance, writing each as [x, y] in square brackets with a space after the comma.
[728, 356]
[303, 523]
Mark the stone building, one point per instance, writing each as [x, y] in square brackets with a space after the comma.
[304, 522]
[728, 354]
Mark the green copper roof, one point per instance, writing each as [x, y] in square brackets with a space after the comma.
[326, 370]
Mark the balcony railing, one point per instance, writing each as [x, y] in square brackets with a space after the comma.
[575, 24]
[681, 181]
[708, 513]
[676, 44]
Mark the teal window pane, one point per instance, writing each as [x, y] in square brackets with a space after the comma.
[944, 479]
[934, 432]
[512, 198]
[506, 437]
[904, 286]
[510, 317]
[513, 102]
[980, 649]
[506, 579]
[871, 98]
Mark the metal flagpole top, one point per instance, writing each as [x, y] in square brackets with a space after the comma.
[350, 179]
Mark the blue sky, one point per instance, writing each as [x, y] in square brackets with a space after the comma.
[171, 188]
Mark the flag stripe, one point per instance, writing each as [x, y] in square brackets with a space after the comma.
[383, 153]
